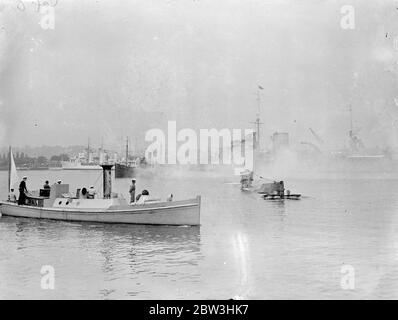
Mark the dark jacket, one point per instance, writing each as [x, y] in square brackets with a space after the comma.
[22, 187]
[22, 195]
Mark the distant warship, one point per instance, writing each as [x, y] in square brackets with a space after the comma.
[126, 169]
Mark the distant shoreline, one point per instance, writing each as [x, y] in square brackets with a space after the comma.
[27, 169]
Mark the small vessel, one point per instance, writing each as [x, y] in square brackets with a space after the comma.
[77, 165]
[269, 191]
[124, 170]
[59, 204]
[127, 169]
[278, 197]
[276, 191]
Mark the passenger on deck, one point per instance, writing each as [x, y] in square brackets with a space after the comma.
[246, 179]
[281, 190]
[170, 197]
[132, 191]
[144, 196]
[59, 181]
[91, 193]
[22, 191]
[83, 193]
[46, 185]
[12, 197]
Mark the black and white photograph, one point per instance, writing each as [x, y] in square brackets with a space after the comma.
[198, 150]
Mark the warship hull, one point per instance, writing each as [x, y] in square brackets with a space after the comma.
[124, 171]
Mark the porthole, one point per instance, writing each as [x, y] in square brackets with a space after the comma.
[60, 202]
[67, 202]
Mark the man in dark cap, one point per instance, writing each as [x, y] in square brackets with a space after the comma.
[22, 191]
[132, 191]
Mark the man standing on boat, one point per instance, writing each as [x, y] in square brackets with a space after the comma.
[22, 191]
[132, 191]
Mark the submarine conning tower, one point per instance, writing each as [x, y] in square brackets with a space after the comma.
[107, 180]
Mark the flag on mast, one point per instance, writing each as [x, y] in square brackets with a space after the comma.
[13, 174]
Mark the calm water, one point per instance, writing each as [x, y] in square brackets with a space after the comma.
[246, 247]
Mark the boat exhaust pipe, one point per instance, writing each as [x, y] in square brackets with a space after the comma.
[107, 180]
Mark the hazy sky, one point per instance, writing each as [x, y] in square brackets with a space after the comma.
[116, 68]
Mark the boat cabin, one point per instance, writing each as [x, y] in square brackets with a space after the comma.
[60, 197]
[46, 197]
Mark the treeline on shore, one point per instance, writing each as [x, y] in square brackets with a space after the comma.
[22, 160]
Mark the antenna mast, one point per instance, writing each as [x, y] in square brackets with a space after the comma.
[127, 150]
[258, 121]
[9, 168]
[88, 150]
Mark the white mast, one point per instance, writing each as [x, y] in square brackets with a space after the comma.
[9, 169]
[12, 171]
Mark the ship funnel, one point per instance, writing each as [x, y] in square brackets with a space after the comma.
[107, 180]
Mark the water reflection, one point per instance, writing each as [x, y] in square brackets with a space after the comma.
[20, 236]
[136, 234]
[127, 244]
[279, 207]
[242, 254]
[118, 256]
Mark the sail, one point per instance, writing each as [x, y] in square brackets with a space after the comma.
[13, 174]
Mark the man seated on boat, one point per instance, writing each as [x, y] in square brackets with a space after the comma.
[12, 197]
[142, 197]
[46, 185]
[91, 193]
[83, 194]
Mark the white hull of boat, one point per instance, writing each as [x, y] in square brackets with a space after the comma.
[95, 167]
[81, 167]
[77, 165]
[186, 212]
